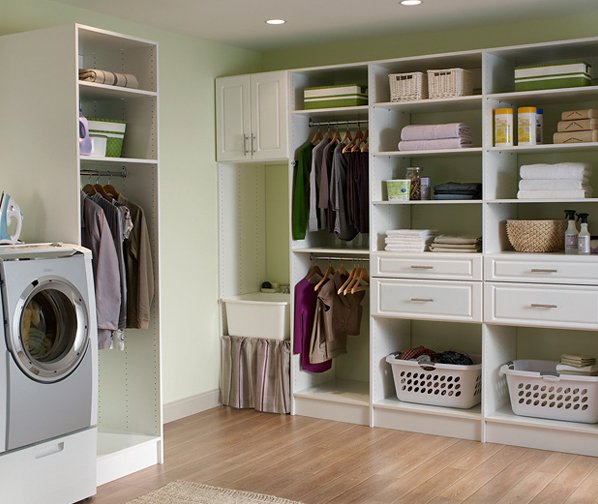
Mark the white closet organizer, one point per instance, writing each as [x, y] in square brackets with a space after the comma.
[478, 303]
[343, 392]
[41, 169]
[423, 299]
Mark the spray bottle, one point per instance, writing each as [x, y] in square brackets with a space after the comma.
[583, 243]
[571, 234]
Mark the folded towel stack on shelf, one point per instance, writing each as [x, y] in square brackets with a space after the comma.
[458, 191]
[409, 240]
[577, 126]
[555, 181]
[435, 136]
[109, 78]
[577, 365]
[456, 243]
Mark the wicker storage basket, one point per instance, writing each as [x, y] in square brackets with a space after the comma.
[408, 86]
[449, 82]
[537, 235]
[438, 384]
[535, 390]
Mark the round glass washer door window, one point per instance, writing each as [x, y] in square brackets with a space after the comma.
[50, 330]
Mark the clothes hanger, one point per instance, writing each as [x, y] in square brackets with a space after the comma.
[314, 270]
[329, 271]
[111, 190]
[317, 137]
[362, 283]
[360, 137]
[100, 189]
[347, 282]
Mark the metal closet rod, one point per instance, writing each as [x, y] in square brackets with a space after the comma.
[336, 123]
[104, 173]
[317, 257]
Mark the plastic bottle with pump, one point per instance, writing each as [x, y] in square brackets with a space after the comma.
[571, 234]
[583, 241]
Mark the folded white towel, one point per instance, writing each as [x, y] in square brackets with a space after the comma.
[573, 171]
[448, 248]
[396, 248]
[457, 239]
[586, 369]
[553, 184]
[565, 194]
[435, 131]
[439, 144]
[405, 239]
[411, 232]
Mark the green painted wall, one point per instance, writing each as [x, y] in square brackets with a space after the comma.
[188, 199]
[412, 43]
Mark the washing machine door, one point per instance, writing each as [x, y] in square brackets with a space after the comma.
[50, 330]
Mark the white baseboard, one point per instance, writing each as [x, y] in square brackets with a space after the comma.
[182, 408]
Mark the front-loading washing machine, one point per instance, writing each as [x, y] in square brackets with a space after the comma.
[48, 360]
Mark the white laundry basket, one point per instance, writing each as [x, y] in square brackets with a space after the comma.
[438, 384]
[537, 391]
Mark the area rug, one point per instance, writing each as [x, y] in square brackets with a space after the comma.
[187, 492]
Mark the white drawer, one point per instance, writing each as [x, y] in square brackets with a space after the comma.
[557, 269]
[426, 299]
[53, 472]
[541, 305]
[427, 265]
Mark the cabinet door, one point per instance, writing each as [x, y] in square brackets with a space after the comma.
[233, 118]
[269, 116]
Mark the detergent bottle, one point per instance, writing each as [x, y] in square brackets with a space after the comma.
[583, 243]
[571, 234]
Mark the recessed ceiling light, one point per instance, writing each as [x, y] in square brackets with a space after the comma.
[411, 2]
[275, 21]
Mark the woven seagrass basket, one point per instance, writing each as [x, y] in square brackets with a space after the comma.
[537, 235]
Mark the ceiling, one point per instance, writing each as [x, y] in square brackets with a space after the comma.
[241, 22]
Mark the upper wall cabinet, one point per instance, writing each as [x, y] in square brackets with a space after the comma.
[252, 117]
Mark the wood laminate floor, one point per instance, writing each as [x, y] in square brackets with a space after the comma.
[319, 461]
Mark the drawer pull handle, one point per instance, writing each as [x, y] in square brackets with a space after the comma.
[540, 270]
[548, 306]
[415, 266]
[422, 300]
[47, 451]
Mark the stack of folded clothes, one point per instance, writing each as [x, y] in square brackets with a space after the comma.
[458, 191]
[435, 136]
[409, 240]
[109, 78]
[577, 365]
[456, 243]
[555, 181]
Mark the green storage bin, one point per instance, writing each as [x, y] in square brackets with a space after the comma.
[553, 76]
[343, 95]
[114, 130]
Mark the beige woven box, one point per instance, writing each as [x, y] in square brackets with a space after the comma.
[408, 86]
[449, 82]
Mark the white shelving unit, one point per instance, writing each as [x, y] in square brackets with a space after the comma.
[41, 168]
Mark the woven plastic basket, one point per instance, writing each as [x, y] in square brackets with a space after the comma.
[537, 235]
[408, 86]
[449, 82]
[437, 384]
[535, 390]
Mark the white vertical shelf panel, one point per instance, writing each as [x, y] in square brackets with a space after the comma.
[39, 163]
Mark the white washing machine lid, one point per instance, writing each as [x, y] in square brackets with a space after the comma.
[39, 250]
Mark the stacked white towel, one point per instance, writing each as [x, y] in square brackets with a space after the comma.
[435, 136]
[409, 240]
[555, 181]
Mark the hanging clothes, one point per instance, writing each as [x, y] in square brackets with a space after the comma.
[317, 217]
[115, 223]
[96, 236]
[139, 268]
[304, 314]
[300, 207]
[343, 227]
